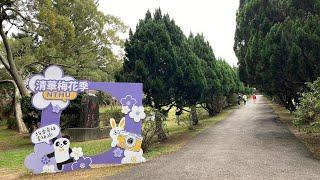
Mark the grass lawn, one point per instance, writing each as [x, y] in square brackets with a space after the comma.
[14, 148]
[310, 140]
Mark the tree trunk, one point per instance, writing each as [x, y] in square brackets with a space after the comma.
[159, 129]
[20, 84]
[194, 116]
[10, 65]
[211, 113]
[18, 112]
[210, 109]
[17, 107]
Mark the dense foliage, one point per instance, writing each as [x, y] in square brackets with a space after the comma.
[176, 70]
[277, 43]
[308, 110]
[222, 80]
[73, 34]
[69, 119]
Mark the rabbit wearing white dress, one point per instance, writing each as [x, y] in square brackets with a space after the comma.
[115, 131]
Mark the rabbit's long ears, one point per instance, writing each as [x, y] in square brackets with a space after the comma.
[113, 123]
[122, 123]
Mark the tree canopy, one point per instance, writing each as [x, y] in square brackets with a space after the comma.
[69, 33]
[277, 44]
[176, 70]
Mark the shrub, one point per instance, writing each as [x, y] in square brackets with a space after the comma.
[7, 110]
[31, 116]
[110, 113]
[307, 115]
[3, 122]
[219, 103]
[12, 123]
[149, 127]
[202, 114]
[69, 119]
[232, 99]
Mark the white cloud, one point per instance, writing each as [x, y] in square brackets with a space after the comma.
[216, 19]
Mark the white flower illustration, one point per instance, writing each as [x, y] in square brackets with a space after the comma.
[133, 157]
[125, 109]
[137, 113]
[49, 81]
[48, 169]
[76, 153]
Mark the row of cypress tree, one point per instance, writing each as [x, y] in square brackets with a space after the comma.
[176, 70]
[277, 43]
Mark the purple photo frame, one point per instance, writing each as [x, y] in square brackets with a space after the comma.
[52, 93]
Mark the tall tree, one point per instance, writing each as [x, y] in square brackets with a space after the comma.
[189, 79]
[276, 44]
[11, 12]
[212, 92]
[69, 33]
[150, 60]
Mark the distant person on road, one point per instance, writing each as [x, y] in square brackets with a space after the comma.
[239, 99]
[245, 98]
[178, 113]
[254, 97]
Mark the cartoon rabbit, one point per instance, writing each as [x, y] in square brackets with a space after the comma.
[115, 131]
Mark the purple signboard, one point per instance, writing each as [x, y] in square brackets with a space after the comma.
[53, 152]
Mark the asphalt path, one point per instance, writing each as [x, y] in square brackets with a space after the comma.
[251, 143]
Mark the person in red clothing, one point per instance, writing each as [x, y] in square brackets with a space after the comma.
[254, 97]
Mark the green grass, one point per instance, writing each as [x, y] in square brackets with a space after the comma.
[14, 147]
[179, 135]
[94, 147]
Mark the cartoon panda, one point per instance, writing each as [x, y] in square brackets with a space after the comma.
[61, 152]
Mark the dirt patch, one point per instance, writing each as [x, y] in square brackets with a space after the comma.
[9, 174]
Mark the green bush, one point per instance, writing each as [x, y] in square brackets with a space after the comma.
[3, 122]
[12, 123]
[31, 116]
[149, 127]
[70, 117]
[114, 113]
[232, 99]
[202, 114]
[307, 115]
[7, 110]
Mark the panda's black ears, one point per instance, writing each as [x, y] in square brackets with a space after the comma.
[54, 139]
[66, 136]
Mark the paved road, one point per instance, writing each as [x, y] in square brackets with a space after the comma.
[250, 144]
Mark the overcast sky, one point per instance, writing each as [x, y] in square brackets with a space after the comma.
[216, 19]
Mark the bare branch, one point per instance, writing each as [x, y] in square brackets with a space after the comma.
[6, 81]
[204, 107]
[7, 47]
[186, 110]
[23, 68]
[168, 109]
[23, 17]
[21, 28]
